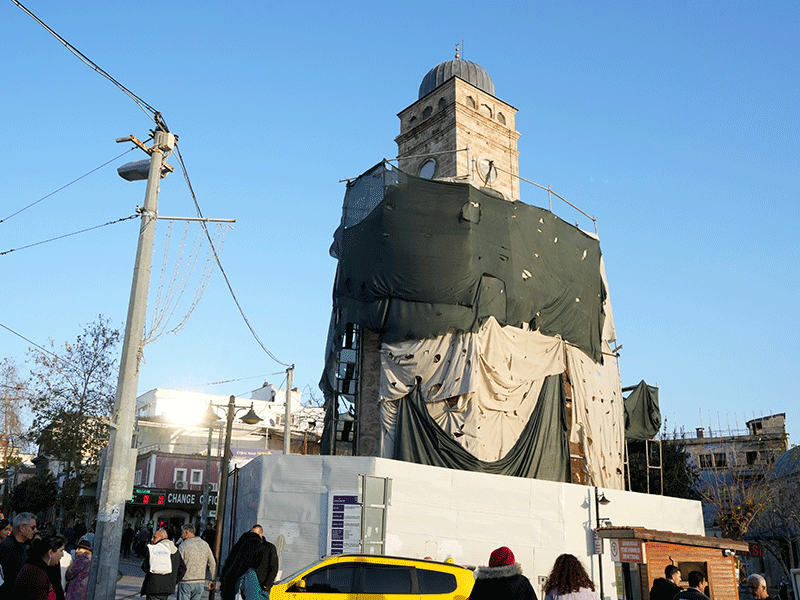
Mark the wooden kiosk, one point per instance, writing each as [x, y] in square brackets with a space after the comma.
[641, 555]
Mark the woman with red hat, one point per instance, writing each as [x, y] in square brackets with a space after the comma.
[502, 579]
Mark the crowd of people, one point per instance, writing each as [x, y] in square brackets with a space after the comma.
[44, 565]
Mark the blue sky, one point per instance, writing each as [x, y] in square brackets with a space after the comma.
[674, 123]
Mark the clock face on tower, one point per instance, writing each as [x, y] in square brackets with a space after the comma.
[487, 170]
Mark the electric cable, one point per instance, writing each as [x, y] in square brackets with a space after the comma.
[67, 185]
[60, 237]
[42, 348]
[219, 262]
[156, 116]
[229, 380]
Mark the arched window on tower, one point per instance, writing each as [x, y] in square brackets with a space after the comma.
[501, 118]
[486, 111]
[442, 104]
[412, 122]
[471, 102]
[427, 112]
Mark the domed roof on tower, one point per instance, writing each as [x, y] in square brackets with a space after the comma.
[466, 70]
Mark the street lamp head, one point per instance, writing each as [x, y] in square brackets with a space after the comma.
[137, 170]
[251, 418]
[209, 417]
[603, 500]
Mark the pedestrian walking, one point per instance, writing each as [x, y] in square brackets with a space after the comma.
[163, 567]
[126, 540]
[13, 551]
[78, 572]
[33, 581]
[502, 579]
[569, 581]
[199, 558]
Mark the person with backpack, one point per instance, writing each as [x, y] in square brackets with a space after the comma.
[163, 567]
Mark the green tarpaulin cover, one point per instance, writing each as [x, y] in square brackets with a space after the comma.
[435, 256]
[541, 452]
[642, 415]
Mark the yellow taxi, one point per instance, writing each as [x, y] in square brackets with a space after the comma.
[374, 577]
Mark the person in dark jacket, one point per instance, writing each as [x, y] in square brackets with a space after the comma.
[13, 550]
[126, 540]
[697, 583]
[665, 588]
[243, 556]
[502, 579]
[265, 562]
[33, 582]
[161, 583]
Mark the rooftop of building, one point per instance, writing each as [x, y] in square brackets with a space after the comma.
[463, 69]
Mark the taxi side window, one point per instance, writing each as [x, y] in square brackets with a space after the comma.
[337, 579]
[387, 580]
[436, 582]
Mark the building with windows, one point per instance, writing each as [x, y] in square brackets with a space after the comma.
[729, 460]
[179, 451]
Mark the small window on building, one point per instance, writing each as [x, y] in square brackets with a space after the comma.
[442, 104]
[137, 477]
[197, 477]
[412, 122]
[427, 112]
[501, 118]
[180, 475]
[720, 460]
[752, 457]
[486, 111]
[428, 169]
[471, 102]
[706, 461]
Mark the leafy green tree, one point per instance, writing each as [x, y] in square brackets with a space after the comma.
[680, 476]
[72, 400]
[35, 494]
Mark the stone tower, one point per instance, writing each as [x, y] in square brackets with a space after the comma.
[458, 130]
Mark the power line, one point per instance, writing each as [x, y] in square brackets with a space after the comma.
[230, 380]
[40, 348]
[156, 116]
[60, 237]
[219, 263]
[67, 185]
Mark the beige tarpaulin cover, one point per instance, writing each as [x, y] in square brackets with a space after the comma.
[598, 411]
[481, 388]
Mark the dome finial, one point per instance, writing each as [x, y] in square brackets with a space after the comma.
[457, 57]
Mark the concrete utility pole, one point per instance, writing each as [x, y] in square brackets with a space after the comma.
[287, 414]
[222, 489]
[117, 475]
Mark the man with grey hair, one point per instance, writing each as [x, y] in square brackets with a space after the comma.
[758, 587]
[197, 555]
[163, 567]
[13, 550]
